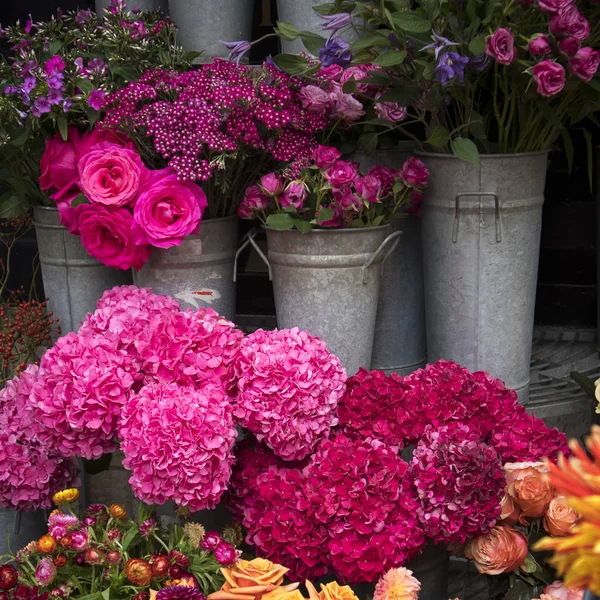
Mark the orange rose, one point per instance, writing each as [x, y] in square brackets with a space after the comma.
[559, 517]
[510, 512]
[502, 550]
[532, 493]
[335, 591]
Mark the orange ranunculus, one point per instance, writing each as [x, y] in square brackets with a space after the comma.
[510, 512]
[502, 550]
[532, 493]
[559, 517]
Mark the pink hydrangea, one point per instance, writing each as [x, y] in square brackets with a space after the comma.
[289, 386]
[189, 348]
[459, 481]
[178, 444]
[81, 388]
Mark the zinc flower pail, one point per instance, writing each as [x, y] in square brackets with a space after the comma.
[131, 4]
[399, 345]
[17, 528]
[199, 272]
[481, 227]
[73, 280]
[327, 282]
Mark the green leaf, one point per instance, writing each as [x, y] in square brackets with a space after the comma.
[350, 86]
[569, 150]
[106, 594]
[465, 149]
[586, 384]
[85, 85]
[55, 46]
[477, 126]
[281, 221]
[368, 142]
[303, 226]
[325, 214]
[313, 42]
[410, 22]
[12, 206]
[377, 220]
[128, 538]
[293, 64]
[63, 126]
[477, 45]
[403, 96]
[286, 31]
[439, 137]
[390, 58]
[367, 42]
[92, 116]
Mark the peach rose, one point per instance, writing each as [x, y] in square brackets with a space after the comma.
[514, 471]
[532, 493]
[502, 550]
[510, 512]
[559, 517]
[558, 591]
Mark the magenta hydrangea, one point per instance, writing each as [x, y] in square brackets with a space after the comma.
[189, 348]
[76, 402]
[459, 481]
[178, 443]
[289, 386]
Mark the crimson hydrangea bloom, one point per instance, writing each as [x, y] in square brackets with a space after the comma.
[289, 386]
[459, 481]
[189, 348]
[178, 444]
[81, 388]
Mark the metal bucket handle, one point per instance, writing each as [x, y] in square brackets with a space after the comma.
[457, 213]
[246, 240]
[395, 237]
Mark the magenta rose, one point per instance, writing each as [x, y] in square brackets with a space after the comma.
[501, 46]
[58, 167]
[564, 19]
[254, 200]
[341, 173]
[580, 30]
[414, 172]
[346, 106]
[325, 156]
[293, 195]
[331, 72]
[540, 45]
[414, 208]
[390, 111]
[357, 73]
[549, 76]
[345, 198]
[167, 210]
[585, 63]
[271, 184]
[99, 135]
[110, 174]
[553, 6]
[107, 234]
[369, 188]
[314, 99]
[569, 46]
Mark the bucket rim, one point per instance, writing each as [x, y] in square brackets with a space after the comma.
[482, 156]
[347, 230]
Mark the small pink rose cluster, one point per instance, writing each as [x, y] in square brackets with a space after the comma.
[128, 208]
[331, 192]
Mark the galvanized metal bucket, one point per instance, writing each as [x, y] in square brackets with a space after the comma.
[399, 345]
[73, 280]
[481, 240]
[327, 282]
[199, 271]
[133, 4]
[17, 528]
[202, 23]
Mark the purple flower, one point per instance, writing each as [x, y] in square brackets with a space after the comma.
[480, 62]
[180, 592]
[147, 528]
[55, 82]
[97, 65]
[336, 21]
[211, 540]
[451, 65]
[28, 83]
[83, 16]
[59, 13]
[28, 24]
[96, 98]
[116, 6]
[336, 51]
[225, 554]
[55, 96]
[28, 67]
[41, 106]
[3, 32]
[238, 49]
[10, 89]
[440, 43]
[24, 97]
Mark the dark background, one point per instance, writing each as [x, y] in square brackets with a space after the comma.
[567, 294]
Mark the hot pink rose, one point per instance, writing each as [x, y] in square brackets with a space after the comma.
[369, 188]
[346, 106]
[559, 591]
[540, 45]
[332, 72]
[357, 73]
[391, 111]
[254, 200]
[314, 99]
[325, 156]
[293, 195]
[106, 234]
[58, 166]
[549, 76]
[562, 21]
[110, 174]
[569, 46]
[501, 46]
[553, 6]
[341, 173]
[414, 172]
[347, 200]
[167, 210]
[585, 63]
[580, 30]
[100, 134]
[271, 184]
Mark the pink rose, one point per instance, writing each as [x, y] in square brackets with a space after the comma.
[100, 134]
[549, 76]
[553, 6]
[347, 200]
[314, 99]
[332, 72]
[293, 195]
[325, 156]
[58, 166]
[341, 173]
[369, 188]
[167, 210]
[271, 184]
[415, 173]
[417, 197]
[110, 174]
[562, 21]
[357, 73]
[254, 201]
[540, 45]
[569, 46]
[346, 106]
[501, 46]
[585, 63]
[336, 219]
[580, 30]
[390, 111]
[559, 591]
[106, 234]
